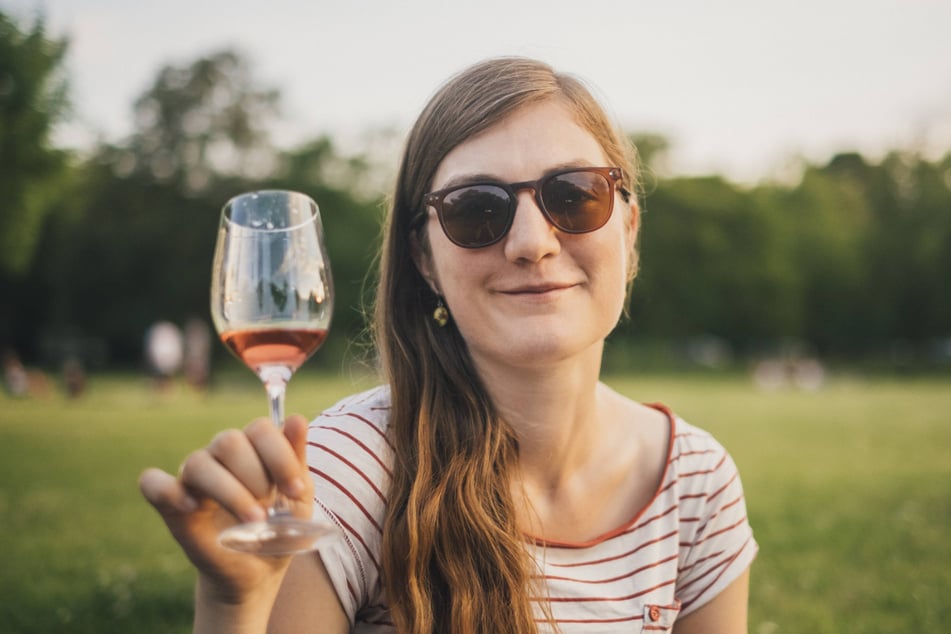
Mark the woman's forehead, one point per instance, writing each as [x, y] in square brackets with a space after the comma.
[523, 145]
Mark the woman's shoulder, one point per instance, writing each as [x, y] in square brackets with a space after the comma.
[370, 407]
[349, 440]
[699, 467]
[375, 399]
[688, 439]
[349, 457]
[694, 456]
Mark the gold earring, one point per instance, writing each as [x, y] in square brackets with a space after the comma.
[441, 314]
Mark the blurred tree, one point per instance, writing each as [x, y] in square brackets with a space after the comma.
[352, 222]
[32, 101]
[853, 257]
[713, 262]
[826, 220]
[908, 251]
[935, 179]
[134, 242]
[123, 252]
[652, 150]
[202, 120]
[143, 226]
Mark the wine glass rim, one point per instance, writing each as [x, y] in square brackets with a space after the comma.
[315, 210]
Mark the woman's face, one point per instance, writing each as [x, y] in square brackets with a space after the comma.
[539, 295]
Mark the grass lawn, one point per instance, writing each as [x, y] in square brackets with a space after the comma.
[848, 490]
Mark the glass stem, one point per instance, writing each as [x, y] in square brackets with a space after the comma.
[276, 388]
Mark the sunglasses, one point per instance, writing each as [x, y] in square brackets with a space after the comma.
[576, 200]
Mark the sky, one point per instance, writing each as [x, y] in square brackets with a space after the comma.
[743, 88]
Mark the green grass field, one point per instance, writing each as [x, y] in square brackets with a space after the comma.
[848, 489]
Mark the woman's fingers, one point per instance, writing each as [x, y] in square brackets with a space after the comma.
[206, 477]
[166, 493]
[237, 471]
[295, 429]
[236, 453]
[279, 457]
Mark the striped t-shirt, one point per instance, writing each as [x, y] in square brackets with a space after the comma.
[688, 544]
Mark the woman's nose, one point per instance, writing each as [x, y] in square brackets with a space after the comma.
[531, 237]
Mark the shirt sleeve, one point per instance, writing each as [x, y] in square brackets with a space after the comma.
[716, 540]
[348, 457]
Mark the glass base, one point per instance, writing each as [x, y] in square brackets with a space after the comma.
[279, 535]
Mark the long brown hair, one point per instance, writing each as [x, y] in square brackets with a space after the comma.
[454, 558]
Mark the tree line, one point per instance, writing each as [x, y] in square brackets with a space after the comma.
[850, 261]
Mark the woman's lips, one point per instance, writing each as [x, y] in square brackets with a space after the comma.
[537, 289]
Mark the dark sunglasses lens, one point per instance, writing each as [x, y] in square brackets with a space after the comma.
[578, 201]
[477, 215]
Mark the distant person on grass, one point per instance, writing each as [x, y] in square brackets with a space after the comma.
[164, 350]
[493, 484]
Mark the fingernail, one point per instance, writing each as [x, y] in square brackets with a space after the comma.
[256, 514]
[295, 488]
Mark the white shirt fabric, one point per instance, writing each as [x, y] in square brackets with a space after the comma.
[681, 550]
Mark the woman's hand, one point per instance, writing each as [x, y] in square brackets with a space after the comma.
[229, 482]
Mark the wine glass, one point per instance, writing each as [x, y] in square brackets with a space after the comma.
[271, 302]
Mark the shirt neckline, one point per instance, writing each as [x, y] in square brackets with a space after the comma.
[554, 543]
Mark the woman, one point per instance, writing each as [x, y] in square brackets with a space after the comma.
[494, 484]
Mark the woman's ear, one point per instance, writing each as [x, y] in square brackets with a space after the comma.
[423, 261]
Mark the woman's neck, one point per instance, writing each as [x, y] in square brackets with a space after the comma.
[589, 459]
[554, 411]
